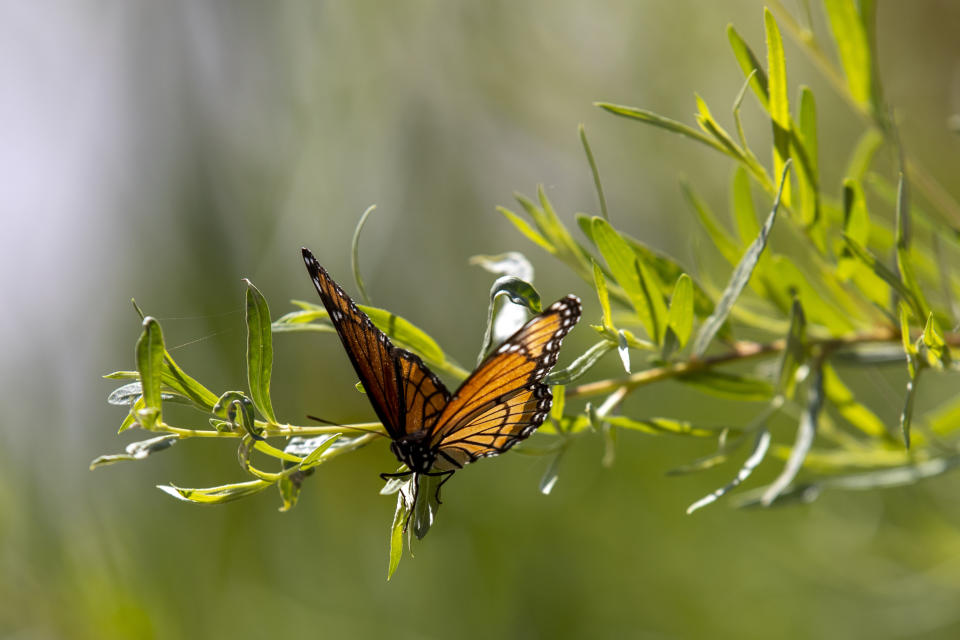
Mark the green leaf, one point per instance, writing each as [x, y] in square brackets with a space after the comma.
[852, 411]
[581, 365]
[632, 275]
[806, 154]
[552, 474]
[795, 352]
[259, 352]
[559, 402]
[659, 426]
[904, 255]
[749, 63]
[594, 171]
[806, 431]
[741, 204]
[405, 333]
[131, 419]
[908, 347]
[779, 104]
[216, 495]
[760, 446]
[938, 355]
[177, 380]
[718, 235]
[622, 348]
[945, 419]
[355, 253]
[425, 504]
[600, 283]
[680, 316]
[728, 385]
[289, 487]
[149, 361]
[906, 416]
[667, 270]
[738, 281]
[856, 220]
[524, 227]
[518, 292]
[880, 269]
[853, 47]
[400, 518]
[138, 450]
[863, 154]
[400, 330]
[710, 125]
[656, 120]
[315, 457]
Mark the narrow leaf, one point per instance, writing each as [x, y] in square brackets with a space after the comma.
[906, 416]
[581, 365]
[680, 316]
[600, 283]
[760, 446]
[863, 154]
[149, 361]
[738, 281]
[852, 411]
[259, 352]
[518, 292]
[524, 227]
[718, 235]
[659, 426]
[400, 518]
[850, 36]
[216, 495]
[649, 117]
[741, 204]
[779, 104]
[355, 253]
[750, 64]
[138, 450]
[806, 431]
[594, 171]
[794, 354]
[630, 275]
[806, 153]
[728, 385]
[552, 474]
[315, 456]
[880, 269]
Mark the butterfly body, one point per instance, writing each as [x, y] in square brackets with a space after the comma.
[432, 431]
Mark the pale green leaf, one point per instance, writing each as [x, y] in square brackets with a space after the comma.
[853, 47]
[750, 64]
[779, 103]
[259, 352]
[355, 253]
[738, 281]
[664, 123]
[760, 446]
[806, 431]
[680, 316]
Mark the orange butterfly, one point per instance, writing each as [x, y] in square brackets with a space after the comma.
[435, 432]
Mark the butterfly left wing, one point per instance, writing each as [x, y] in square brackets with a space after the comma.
[406, 396]
[504, 400]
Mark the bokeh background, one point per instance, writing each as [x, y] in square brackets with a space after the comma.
[164, 150]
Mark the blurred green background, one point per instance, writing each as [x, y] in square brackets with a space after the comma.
[165, 150]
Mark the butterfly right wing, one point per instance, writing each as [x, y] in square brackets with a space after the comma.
[406, 396]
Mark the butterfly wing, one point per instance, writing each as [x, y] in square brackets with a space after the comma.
[504, 400]
[406, 396]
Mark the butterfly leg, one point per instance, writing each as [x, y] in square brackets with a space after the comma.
[446, 476]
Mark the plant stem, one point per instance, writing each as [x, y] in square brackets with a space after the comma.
[741, 351]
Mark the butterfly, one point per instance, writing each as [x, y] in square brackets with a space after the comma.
[434, 432]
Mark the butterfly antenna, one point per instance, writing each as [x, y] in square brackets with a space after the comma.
[336, 424]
